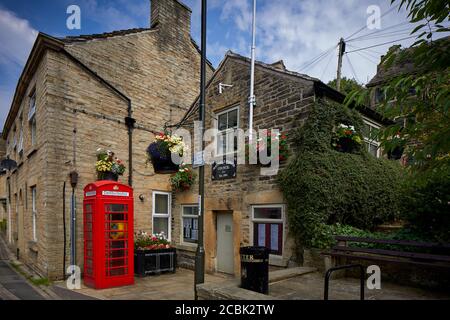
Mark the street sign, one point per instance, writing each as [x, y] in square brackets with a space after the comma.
[199, 159]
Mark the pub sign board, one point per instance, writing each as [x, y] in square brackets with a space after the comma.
[224, 169]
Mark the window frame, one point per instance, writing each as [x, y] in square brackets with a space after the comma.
[226, 131]
[368, 141]
[281, 221]
[163, 215]
[189, 216]
[34, 212]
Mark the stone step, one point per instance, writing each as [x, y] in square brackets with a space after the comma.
[278, 275]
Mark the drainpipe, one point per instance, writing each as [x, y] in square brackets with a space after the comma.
[64, 229]
[9, 212]
[73, 220]
[129, 121]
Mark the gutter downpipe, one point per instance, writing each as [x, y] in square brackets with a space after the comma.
[252, 98]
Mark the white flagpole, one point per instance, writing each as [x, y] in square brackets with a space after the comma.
[252, 98]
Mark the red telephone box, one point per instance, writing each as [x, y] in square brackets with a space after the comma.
[108, 235]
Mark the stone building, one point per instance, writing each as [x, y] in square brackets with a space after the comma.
[77, 94]
[247, 208]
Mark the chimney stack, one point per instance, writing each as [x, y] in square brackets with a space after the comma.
[172, 17]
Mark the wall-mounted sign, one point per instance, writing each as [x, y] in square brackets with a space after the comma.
[224, 169]
[198, 159]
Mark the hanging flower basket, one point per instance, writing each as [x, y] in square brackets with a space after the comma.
[346, 139]
[108, 175]
[183, 179]
[264, 145]
[160, 153]
[108, 166]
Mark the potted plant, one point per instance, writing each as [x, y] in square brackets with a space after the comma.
[264, 146]
[108, 166]
[160, 152]
[183, 179]
[346, 139]
[153, 254]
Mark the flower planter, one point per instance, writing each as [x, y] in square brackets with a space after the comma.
[163, 166]
[346, 145]
[147, 262]
[161, 159]
[108, 176]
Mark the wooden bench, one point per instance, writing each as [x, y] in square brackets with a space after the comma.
[437, 255]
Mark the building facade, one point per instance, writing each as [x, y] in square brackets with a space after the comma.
[78, 94]
[247, 208]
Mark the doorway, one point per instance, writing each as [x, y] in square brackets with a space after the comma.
[224, 243]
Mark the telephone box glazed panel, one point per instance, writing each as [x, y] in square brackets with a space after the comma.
[108, 235]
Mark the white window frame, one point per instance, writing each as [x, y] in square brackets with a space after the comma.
[226, 131]
[182, 222]
[369, 141]
[32, 106]
[259, 220]
[34, 212]
[163, 215]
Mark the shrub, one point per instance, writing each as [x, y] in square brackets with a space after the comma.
[428, 208]
[324, 187]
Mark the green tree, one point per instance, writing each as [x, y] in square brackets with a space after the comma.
[419, 101]
[347, 85]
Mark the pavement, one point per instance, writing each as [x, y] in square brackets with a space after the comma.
[310, 286]
[289, 284]
[166, 286]
[13, 286]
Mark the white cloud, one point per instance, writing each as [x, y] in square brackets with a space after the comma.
[297, 31]
[17, 38]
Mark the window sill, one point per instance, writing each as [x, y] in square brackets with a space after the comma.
[31, 153]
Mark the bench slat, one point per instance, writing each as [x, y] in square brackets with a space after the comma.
[397, 242]
[382, 259]
[412, 255]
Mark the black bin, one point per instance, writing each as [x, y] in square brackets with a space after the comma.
[255, 269]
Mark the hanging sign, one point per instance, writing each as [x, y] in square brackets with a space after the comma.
[224, 169]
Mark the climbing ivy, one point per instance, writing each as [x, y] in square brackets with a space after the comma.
[324, 187]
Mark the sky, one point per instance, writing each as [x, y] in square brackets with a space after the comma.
[296, 31]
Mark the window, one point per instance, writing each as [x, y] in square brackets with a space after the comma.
[14, 137]
[268, 225]
[20, 143]
[227, 122]
[33, 212]
[32, 118]
[379, 95]
[370, 131]
[161, 213]
[190, 223]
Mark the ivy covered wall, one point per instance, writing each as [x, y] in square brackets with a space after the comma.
[324, 187]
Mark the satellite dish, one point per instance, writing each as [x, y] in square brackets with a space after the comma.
[8, 164]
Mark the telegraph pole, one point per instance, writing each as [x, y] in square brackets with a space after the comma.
[339, 67]
[200, 253]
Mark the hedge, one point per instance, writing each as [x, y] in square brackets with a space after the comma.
[324, 187]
